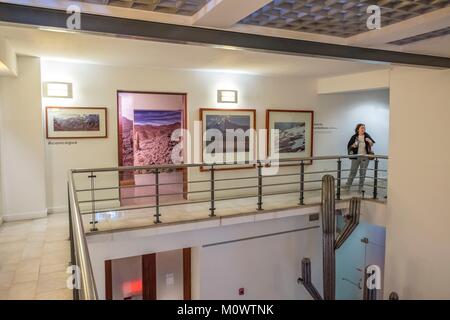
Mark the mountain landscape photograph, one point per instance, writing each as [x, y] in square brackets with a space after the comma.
[291, 136]
[152, 134]
[224, 123]
[76, 122]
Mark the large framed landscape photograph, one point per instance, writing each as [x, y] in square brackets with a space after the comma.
[152, 132]
[76, 122]
[291, 132]
[228, 136]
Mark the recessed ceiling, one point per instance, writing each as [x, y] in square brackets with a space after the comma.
[181, 7]
[96, 49]
[342, 18]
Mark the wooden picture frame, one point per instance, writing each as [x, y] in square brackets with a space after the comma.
[247, 154]
[290, 119]
[76, 123]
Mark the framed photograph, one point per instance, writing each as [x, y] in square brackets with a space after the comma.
[228, 136]
[291, 132]
[76, 123]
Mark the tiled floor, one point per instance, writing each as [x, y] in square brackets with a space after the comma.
[34, 255]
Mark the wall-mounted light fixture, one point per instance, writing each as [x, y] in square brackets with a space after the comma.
[227, 96]
[58, 90]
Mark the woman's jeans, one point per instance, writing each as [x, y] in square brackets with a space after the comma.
[362, 164]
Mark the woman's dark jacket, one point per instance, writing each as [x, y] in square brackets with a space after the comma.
[353, 139]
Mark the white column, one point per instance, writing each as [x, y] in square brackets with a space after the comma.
[22, 153]
[418, 237]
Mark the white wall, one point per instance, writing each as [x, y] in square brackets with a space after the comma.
[96, 86]
[1, 173]
[8, 60]
[281, 254]
[418, 237]
[22, 143]
[267, 268]
[344, 111]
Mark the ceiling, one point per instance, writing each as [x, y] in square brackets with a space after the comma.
[181, 7]
[341, 18]
[414, 26]
[88, 48]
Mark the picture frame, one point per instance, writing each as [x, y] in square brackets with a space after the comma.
[76, 122]
[222, 120]
[296, 133]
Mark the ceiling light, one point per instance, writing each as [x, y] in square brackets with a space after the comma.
[58, 90]
[227, 96]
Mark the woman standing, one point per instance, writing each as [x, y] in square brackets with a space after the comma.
[360, 144]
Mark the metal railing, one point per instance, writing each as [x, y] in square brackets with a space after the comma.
[84, 282]
[293, 168]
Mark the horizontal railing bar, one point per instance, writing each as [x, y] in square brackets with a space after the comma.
[99, 200]
[190, 202]
[181, 166]
[203, 191]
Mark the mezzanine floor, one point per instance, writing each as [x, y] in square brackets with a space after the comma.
[142, 218]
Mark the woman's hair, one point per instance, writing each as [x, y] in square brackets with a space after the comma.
[359, 125]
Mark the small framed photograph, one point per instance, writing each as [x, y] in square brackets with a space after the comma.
[76, 123]
[228, 136]
[291, 132]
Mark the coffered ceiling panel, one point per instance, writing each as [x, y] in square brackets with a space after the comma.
[342, 18]
[181, 7]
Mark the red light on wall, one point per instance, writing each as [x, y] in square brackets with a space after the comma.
[132, 288]
[241, 291]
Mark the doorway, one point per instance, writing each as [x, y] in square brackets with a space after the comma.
[150, 132]
[156, 276]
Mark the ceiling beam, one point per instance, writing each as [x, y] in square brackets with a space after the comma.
[42, 17]
[226, 13]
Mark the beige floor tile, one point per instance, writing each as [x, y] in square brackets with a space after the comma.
[3, 295]
[32, 252]
[36, 237]
[55, 246]
[51, 282]
[8, 238]
[27, 270]
[10, 258]
[22, 291]
[56, 236]
[55, 258]
[8, 267]
[6, 279]
[9, 247]
[60, 267]
[61, 294]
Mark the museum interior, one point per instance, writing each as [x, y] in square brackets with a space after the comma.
[148, 146]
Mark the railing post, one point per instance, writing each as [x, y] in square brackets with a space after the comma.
[302, 183]
[213, 195]
[375, 179]
[157, 214]
[94, 218]
[339, 177]
[72, 244]
[260, 185]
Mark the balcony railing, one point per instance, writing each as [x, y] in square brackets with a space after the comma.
[91, 192]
